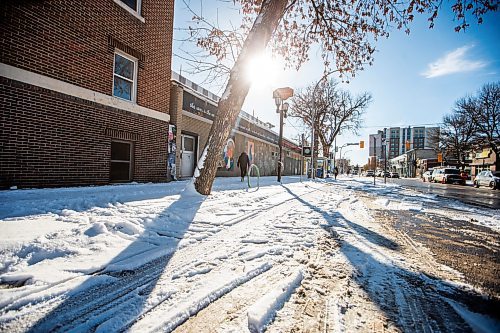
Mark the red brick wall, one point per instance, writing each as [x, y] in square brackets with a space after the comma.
[50, 139]
[69, 41]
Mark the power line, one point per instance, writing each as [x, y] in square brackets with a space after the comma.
[298, 130]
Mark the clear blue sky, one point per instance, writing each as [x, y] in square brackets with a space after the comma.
[415, 79]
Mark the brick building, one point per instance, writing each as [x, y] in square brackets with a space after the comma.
[84, 91]
[483, 158]
[193, 109]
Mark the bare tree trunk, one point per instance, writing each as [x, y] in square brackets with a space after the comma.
[326, 151]
[324, 144]
[235, 93]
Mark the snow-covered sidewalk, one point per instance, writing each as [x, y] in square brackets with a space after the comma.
[148, 257]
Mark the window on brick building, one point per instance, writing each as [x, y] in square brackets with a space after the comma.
[125, 77]
[135, 5]
[121, 161]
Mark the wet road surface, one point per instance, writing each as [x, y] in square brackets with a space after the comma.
[477, 196]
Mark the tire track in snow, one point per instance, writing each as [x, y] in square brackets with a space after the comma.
[89, 308]
[217, 316]
[275, 209]
[229, 312]
[419, 305]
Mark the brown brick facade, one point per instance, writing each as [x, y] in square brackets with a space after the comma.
[49, 138]
[73, 41]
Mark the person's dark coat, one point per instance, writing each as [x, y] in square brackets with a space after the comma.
[243, 164]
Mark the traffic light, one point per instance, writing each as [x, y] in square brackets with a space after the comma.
[361, 144]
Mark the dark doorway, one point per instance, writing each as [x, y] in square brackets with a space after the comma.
[121, 161]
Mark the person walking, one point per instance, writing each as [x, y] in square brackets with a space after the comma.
[243, 164]
[336, 172]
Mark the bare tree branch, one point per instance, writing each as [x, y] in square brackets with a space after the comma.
[331, 110]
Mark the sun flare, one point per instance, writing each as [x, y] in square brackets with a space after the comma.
[264, 70]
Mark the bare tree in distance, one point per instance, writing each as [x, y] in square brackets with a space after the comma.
[344, 30]
[331, 110]
[455, 137]
[483, 112]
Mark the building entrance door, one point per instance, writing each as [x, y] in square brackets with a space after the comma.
[188, 155]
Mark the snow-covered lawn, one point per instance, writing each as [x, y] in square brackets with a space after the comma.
[147, 257]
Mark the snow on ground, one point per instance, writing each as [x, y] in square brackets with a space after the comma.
[147, 257]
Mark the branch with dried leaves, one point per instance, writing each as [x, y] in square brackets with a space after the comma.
[345, 31]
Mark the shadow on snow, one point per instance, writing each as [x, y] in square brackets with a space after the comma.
[412, 301]
[121, 291]
[113, 299]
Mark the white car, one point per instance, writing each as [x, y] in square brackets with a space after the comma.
[488, 178]
[427, 176]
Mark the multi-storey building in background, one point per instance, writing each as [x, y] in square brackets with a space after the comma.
[85, 91]
[394, 141]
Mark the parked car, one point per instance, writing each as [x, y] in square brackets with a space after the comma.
[427, 176]
[394, 175]
[447, 176]
[386, 174]
[370, 173]
[488, 178]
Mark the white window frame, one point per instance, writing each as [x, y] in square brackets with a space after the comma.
[135, 13]
[133, 98]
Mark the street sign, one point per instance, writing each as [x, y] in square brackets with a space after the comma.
[283, 93]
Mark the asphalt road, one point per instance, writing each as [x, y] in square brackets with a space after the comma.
[482, 196]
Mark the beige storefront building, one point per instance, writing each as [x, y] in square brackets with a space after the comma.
[192, 112]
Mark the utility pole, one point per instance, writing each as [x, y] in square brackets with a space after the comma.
[334, 153]
[302, 157]
[313, 169]
[385, 160]
[375, 153]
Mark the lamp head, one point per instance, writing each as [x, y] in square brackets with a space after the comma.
[285, 106]
[277, 98]
[277, 101]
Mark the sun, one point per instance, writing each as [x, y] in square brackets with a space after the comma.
[263, 70]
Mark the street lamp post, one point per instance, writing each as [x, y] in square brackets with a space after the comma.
[279, 96]
[343, 161]
[345, 145]
[283, 111]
